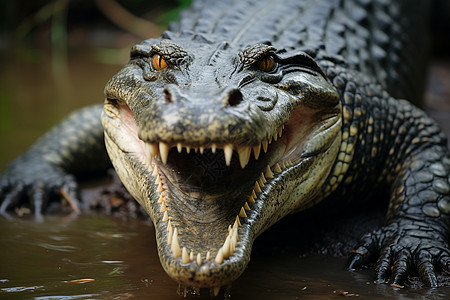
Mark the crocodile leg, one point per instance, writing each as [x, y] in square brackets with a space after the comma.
[47, 169]
[416, 232]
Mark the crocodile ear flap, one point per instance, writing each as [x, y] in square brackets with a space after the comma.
[301, 59]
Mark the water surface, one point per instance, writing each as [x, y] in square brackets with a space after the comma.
[118, 259]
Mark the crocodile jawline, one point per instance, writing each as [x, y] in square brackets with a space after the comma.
[205, 199]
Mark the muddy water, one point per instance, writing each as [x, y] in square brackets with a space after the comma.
[118, 259]
[114, 258]
[37, 90]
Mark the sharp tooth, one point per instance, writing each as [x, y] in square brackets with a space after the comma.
[160, 188]
[242, 213]
[216, 291]
[233, 240]
[277, 168]
[163, 207]
[244, 155]
[265, 145]
[195, 149]
[179, 147]
[257, 150]
[213, 148]
[254, 194]
[164, 151]
[208, 256]
[280, 131]
[228, 151]
[275, 136]
[246, 207]
[188, 149]
[268, 173]
[155, 171]
[169, 226]
[184, 256]
[191, 256]
[199, 260]
[270, 140]
[151, 149]
[165, 217]
[170, 237]
[219, 257]
[232, 245]
[202, 149]
[238, 222]
[161, 199]
[234, 232]
[250, 199]
[149, 162]
[175, 247]
[226, 248]
[263, 178]
[158, 179]
[261, 182]
[257, 188]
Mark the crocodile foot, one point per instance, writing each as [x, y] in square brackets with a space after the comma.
[37, 183]
[404, 247]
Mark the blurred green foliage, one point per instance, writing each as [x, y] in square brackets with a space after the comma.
[173, 13]
[24, 19]
[6, 120]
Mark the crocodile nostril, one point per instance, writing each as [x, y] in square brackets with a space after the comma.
[168, 97]
[234, 97]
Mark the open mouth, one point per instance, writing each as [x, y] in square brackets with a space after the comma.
[202, 192]
[205, 196]
[209, 201]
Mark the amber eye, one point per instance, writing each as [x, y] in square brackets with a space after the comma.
[266, 64]
[158, 62]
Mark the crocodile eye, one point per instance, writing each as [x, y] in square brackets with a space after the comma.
[266, 64]
[158, 62]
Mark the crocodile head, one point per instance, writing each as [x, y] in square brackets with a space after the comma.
[217, 142]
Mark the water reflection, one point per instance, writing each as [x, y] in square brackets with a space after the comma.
[101, 257]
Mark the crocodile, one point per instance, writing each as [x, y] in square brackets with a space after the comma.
[244, 112]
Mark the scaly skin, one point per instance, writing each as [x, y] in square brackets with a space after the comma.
[246, 112]
[72, 147]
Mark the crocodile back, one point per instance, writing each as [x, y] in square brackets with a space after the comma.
[382, 38]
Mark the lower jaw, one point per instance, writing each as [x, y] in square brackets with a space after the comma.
[209, 274]
[204, 264]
